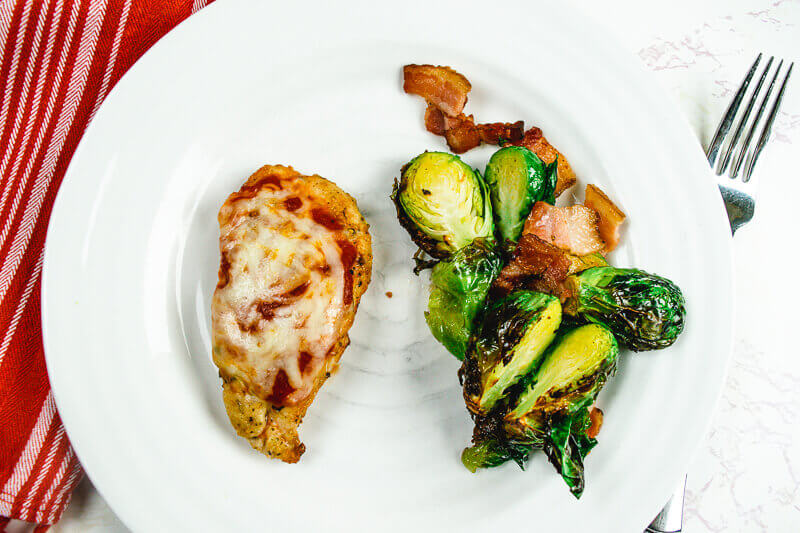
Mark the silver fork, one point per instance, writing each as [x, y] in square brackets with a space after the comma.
[739, 196]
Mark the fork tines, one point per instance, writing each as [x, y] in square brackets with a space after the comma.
[735, 141]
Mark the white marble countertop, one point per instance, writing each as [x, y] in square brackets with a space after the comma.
[746, 475]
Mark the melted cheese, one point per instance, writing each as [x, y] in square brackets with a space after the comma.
[282, 303]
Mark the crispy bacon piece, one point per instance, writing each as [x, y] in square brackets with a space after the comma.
[535, 265]
[441, 86]
[596, 417]
[535, 141]
[572, 228]
[434, 120]
[461, 134]
[446, 93]
[501, 132]
[438, 123]
[610, 217]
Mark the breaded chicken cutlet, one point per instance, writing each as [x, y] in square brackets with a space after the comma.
[295, 258]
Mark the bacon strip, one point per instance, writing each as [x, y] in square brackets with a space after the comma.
[435, 120]
[596, 417]
[501, 132]
[438, 123]
[535, 141]
[535, 265]
[461, 134]
[441, 86]
[572, 228]
[610, 217]
[446, 93]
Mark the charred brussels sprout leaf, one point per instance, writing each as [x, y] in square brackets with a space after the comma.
[644, 311]
[458, 290]
[443, 203]
[495, 452]
[567, 445]
[517, 179]
[510, 342]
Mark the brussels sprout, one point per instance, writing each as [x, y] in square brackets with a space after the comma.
[644, 311]
[510, 342]
[574, 368]
[517, 179]
[458, 290]
[442, 203]
[554, 406]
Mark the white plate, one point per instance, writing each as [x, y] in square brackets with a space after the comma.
[132, 257]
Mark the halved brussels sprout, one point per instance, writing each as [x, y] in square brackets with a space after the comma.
[574, 368]
[510, 342]
[458, 290]
[554, 406]
[645, 311]
[442, 203]
[517, 179]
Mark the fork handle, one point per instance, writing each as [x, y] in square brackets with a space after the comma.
[670, 519]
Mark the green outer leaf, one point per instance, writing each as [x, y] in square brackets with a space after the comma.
[567, 445]
[493, 452]
[458, 289]
[517, 178]
[644, 311]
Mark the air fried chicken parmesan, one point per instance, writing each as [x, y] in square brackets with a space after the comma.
[295, 258]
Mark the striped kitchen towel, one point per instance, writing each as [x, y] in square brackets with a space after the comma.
[60, 58]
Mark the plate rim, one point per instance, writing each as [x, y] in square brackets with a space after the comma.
[180, 29]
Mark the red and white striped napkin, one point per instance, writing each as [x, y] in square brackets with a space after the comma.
[59, 60]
